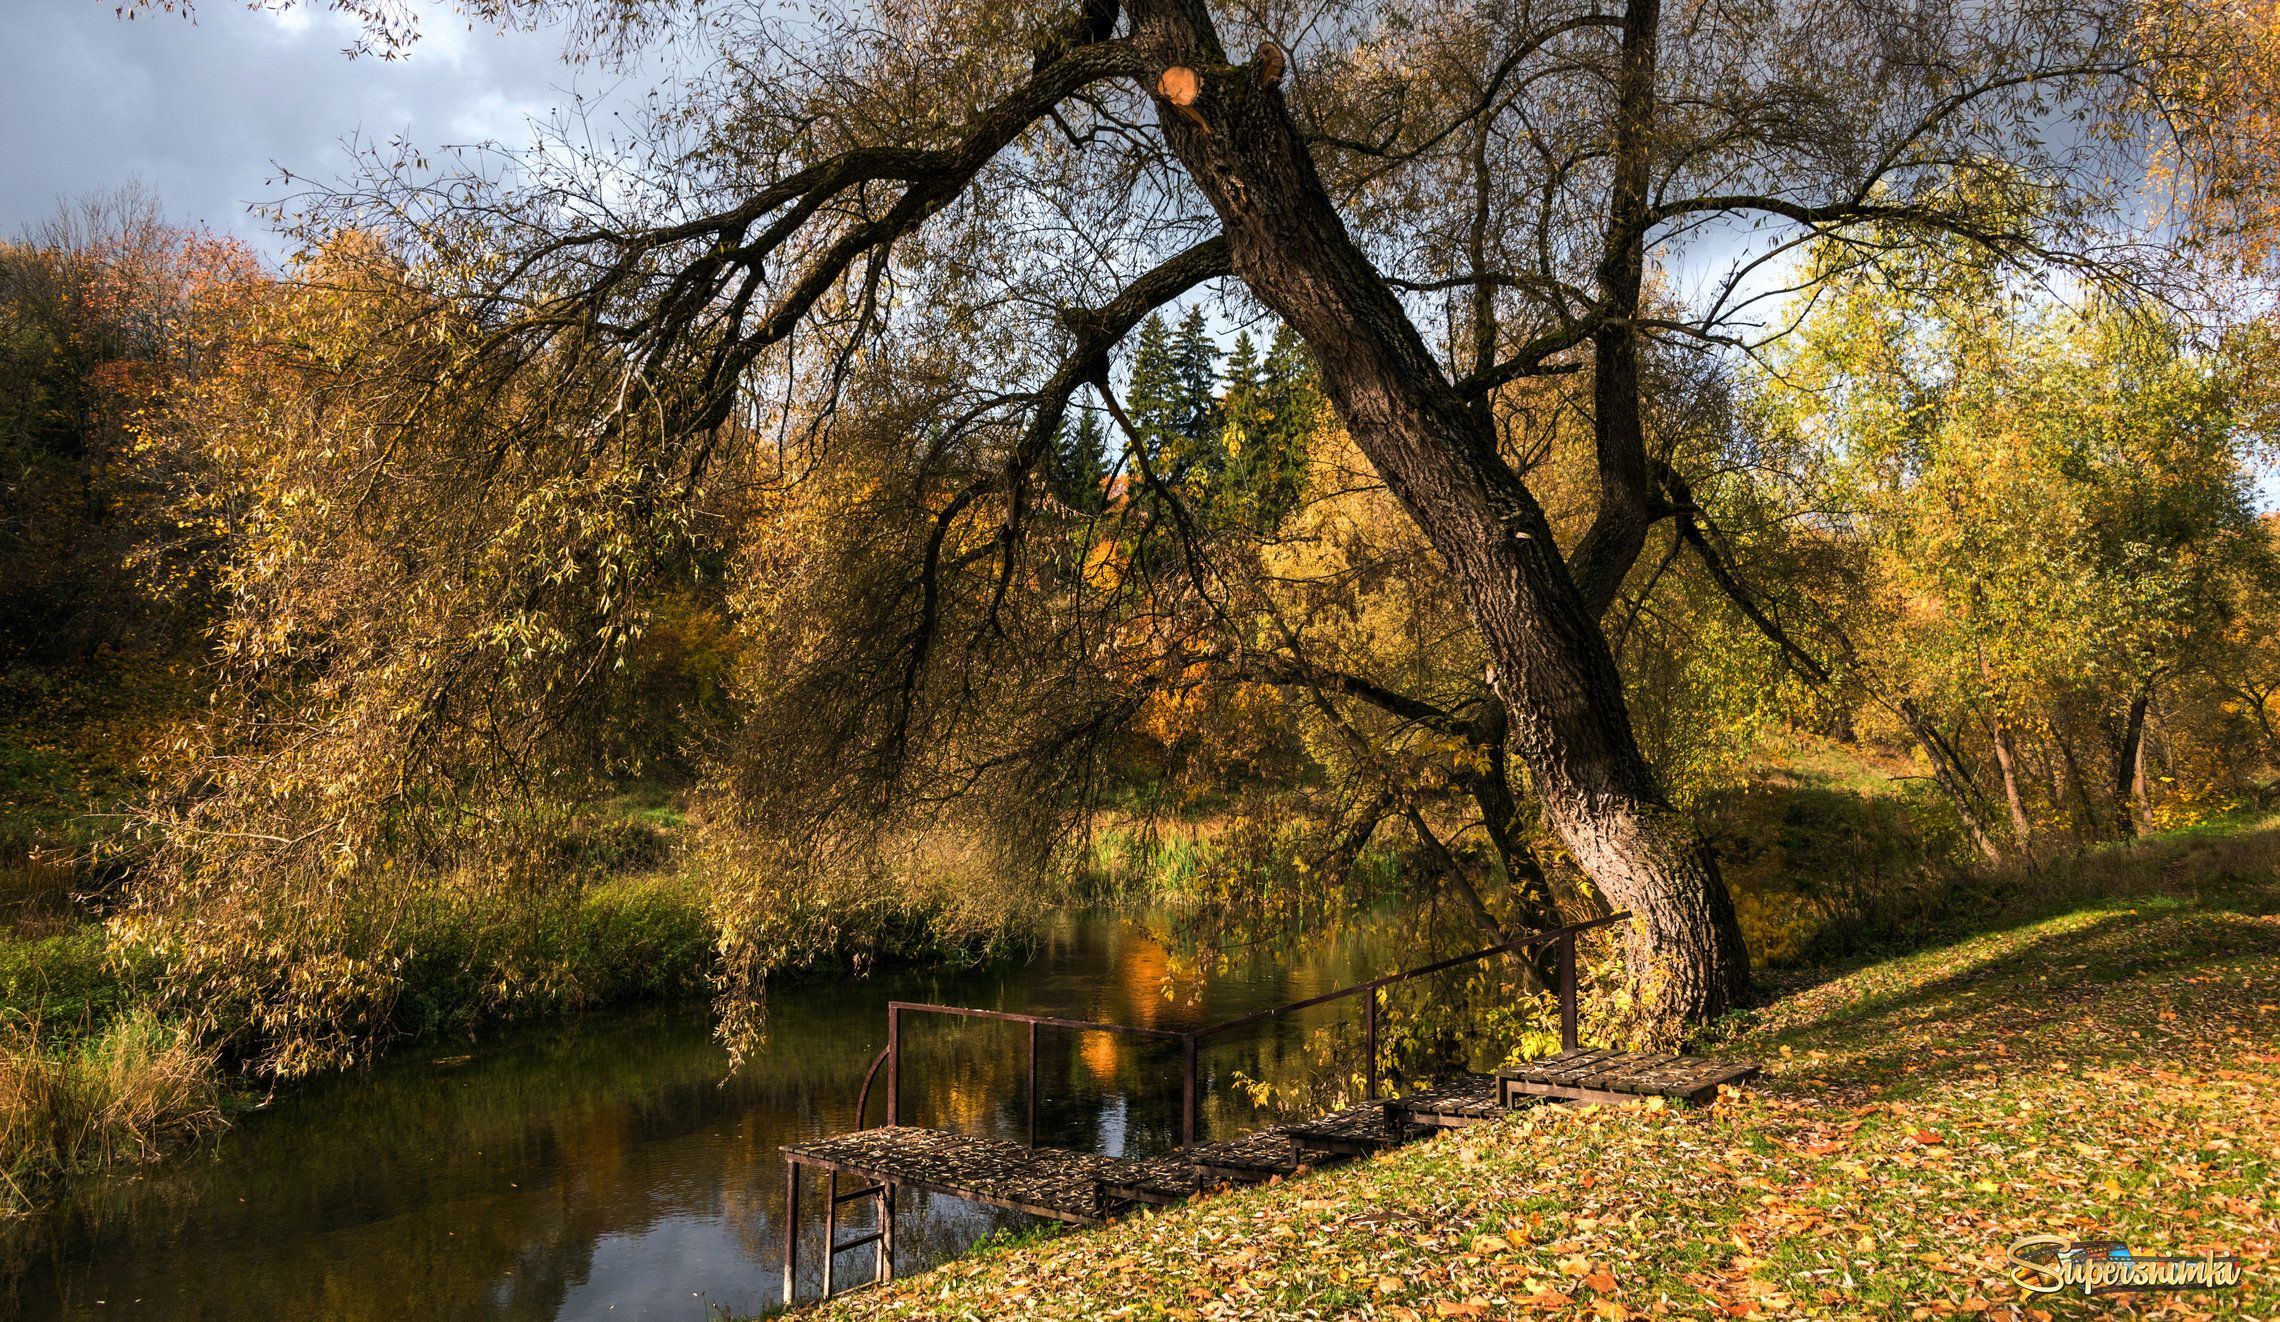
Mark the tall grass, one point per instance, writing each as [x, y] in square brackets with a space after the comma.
[1145, 864]
[128, 1093]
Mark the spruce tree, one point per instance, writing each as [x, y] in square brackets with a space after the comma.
[1154, 394]
[1079, 466]
[1269, 409]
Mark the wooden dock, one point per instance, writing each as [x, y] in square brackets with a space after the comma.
[1047, 1182]
[1088, 1188]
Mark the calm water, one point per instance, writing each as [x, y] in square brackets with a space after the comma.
[611, 1170]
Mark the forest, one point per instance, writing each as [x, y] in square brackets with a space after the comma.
[1796, 472]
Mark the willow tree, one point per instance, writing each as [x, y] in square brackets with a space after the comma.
[933, 223]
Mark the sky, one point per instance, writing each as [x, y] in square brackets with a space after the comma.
[207, 114]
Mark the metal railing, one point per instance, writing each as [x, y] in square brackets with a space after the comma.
[891, 1055]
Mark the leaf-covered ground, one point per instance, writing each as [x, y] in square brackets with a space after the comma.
[2108, 1072]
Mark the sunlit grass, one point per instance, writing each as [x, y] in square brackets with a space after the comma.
[2098, 1056]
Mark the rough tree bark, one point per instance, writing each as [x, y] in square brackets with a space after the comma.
[2006, 756]
[1554, 670]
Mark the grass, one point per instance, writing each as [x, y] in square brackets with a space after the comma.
[2076, 1063]
[620, 939]
[130, 1091]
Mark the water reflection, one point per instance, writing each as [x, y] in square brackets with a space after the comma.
[604, 1170]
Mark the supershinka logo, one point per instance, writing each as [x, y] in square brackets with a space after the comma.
[2046, 1264]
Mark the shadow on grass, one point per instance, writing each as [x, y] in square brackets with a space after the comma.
[2082, 965]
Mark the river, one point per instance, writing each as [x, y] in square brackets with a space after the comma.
[611, 1168]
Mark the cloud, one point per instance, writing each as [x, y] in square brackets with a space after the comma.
[208, 114]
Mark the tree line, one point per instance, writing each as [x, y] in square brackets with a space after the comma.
[1520, 548]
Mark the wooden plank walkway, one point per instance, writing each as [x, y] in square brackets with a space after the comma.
[1467, 1099]
[1598, 1075]
[1047, 1182]
[1356, 1131]
[1087, 1188]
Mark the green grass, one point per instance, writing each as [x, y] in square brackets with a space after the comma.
[65, 978]
[2076, 1064]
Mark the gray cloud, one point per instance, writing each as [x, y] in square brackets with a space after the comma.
[206, 113]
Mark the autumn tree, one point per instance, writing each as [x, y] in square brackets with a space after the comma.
[904, 238]
[107, 312]
[2052, 505]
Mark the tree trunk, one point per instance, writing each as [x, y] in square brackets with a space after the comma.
[2129, 762]
[1553, 668]
[1544, 898]
[1949, 778]
[2141, 797]
[2081, 786]
[2007, 758]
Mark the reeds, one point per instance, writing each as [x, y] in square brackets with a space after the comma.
[127, 1093]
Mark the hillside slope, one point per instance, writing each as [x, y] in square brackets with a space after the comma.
[2107, 1069]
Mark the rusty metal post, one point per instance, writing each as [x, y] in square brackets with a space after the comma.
[886, 1269]
[894, 1066]
[1187, 1092]
[1567, 992]
[1369, 1042]
[1033, 1085]
[791, 1228]
[830, 1232]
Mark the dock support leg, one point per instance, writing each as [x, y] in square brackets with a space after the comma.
[894, 1067]
[1033, 1085]
[830, 1232]
[791, 1229]
[1187, 1091]
[886, 1269]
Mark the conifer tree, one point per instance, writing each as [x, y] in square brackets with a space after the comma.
[1267, 411]
[1079, 464]
[1155, 390]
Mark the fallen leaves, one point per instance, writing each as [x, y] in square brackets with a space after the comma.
[1889, 1183]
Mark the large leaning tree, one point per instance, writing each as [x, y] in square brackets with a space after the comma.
[932, 224]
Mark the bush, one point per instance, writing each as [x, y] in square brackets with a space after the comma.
[1821, 870]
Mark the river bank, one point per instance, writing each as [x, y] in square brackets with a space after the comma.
[2109, 1067]
[560, 1169]
[99, 1072]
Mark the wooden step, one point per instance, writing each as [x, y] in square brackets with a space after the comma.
[1356, 1131]
[1466, 1099]
[1248, 1159]
[1595, 1074]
